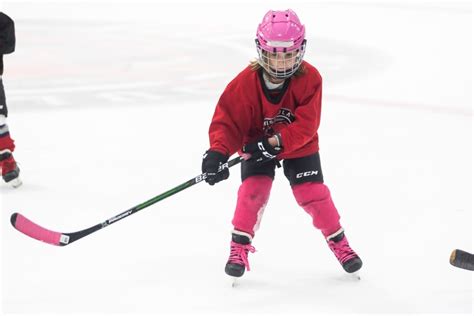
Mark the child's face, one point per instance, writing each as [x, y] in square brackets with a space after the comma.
[282, 61]
[280, 64]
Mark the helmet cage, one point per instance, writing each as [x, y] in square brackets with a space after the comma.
[290, 63]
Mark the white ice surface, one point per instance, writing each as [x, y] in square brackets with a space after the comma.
[110, 102]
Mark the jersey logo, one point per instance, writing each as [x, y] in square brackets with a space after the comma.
[284, 116]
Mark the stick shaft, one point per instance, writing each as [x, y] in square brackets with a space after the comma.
[29, 228]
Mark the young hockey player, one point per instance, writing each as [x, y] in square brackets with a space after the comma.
[10, 170]
[271, 112]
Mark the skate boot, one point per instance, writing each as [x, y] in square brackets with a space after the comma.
[10, 170]
[239, 249]
[347, 257]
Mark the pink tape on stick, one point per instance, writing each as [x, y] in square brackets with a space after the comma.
[35, 231]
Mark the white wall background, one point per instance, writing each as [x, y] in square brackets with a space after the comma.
[110, 103]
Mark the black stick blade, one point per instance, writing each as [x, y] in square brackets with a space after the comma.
[462, 259]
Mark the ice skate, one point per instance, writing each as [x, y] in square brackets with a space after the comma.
[238, 259]
[235, 281]
[10, 171]
[347, 257]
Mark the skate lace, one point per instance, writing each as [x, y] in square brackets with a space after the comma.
[239, 253]
[342, 250]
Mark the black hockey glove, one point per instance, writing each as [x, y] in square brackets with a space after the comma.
[261, 151]
[213, 165]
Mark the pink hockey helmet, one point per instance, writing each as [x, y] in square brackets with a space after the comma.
[280, 43]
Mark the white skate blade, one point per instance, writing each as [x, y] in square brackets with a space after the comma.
[15, 183]
[234, 281]
[355, 276]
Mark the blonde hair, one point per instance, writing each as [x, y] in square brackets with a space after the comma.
[255, 66]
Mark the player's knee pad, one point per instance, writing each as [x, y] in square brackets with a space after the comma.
[251, 201]
[309, 192]
[315, 199]
[255, 190]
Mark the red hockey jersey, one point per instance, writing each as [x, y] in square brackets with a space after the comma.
[247, 111]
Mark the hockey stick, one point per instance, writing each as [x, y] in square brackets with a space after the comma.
[462, 259]
[27, 227]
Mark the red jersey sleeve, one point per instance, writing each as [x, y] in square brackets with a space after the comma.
[307, 118]
[230, 123]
